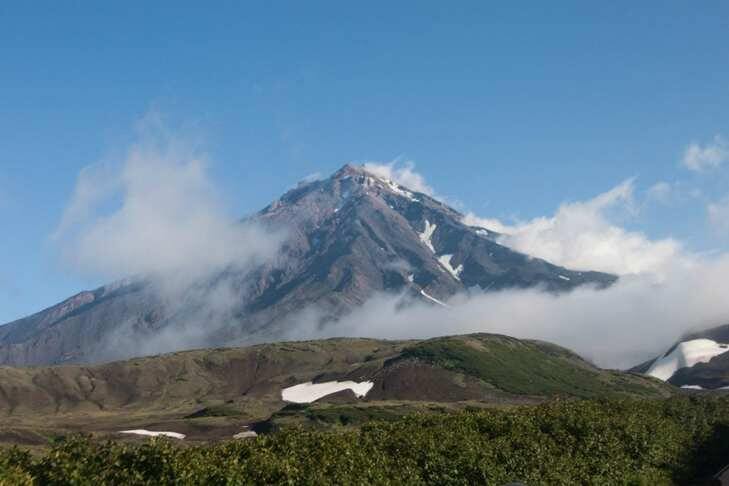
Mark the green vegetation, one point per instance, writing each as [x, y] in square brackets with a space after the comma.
[324, 415]
[528, 367]
[616, 441]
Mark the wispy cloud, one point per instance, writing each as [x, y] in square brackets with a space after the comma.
[156, 216]
[661, 192]
[405, 175]
[699, 157]
[155, 212]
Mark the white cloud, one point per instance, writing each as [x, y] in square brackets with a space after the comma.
[710, 156]
[660, 192]
[718, 213]
[492, 224]
[156, 216]
[630, 322]
[154, 213]
[405, 176]
[93, 185]
[581, 236]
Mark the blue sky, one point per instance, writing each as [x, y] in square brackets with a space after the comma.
[508, 110]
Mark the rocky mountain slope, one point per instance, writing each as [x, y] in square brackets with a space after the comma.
[244, 385]
[349, 237]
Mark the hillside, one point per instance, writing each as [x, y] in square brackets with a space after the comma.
[214, 393]
[349, 237]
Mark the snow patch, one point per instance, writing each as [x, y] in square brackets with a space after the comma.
[150, 433]
[564, 278]
[427, 236]
[246, 434]
[692, 387]
[445, 260]
[399, 190]
[381, 182]
[686, 354]
[310, 392]
[411, 278]
[432, 299]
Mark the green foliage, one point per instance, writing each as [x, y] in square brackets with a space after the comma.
[526, 367]
[616, 441]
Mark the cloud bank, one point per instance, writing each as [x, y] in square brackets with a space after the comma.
[618, 328]
[581, 236]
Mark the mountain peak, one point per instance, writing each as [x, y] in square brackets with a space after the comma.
[349, 169]
[349, 237]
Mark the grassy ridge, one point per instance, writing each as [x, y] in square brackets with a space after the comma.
[528, 367]
[623, 441]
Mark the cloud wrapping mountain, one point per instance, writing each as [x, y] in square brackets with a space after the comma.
[156, 214]
[357, 254]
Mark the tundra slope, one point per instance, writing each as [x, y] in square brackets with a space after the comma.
[196, 392]
[349, 237]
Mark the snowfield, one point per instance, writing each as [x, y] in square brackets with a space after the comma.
[432, 299]
[246, 434]
[399, 190]
[310, 392]
[149, 433]
[427, 235]
[445, 261]
[686, 354]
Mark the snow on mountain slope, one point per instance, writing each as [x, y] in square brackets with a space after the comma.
[445, 260]
[427, 235]
[311, 392]
[684, 355]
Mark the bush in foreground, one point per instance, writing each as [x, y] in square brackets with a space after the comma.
[572, 442]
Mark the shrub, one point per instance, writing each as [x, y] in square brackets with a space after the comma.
[616, 441]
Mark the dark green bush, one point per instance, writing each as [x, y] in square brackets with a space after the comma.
[565, 442]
